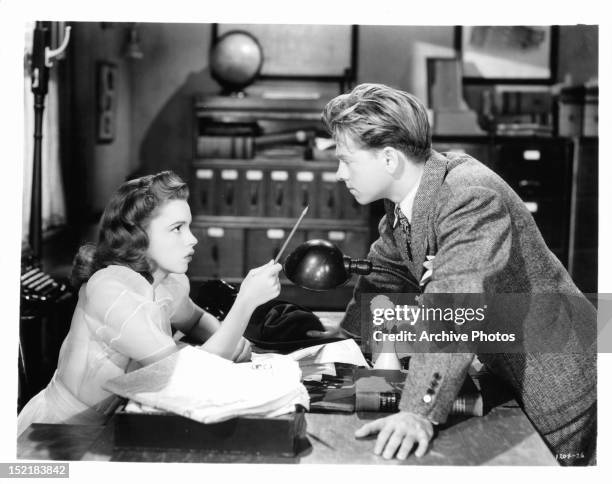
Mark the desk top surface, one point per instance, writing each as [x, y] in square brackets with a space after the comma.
[502, 437]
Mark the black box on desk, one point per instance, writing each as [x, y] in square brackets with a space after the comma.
[250, 435]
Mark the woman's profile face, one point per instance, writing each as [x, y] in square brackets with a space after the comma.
[170, 239]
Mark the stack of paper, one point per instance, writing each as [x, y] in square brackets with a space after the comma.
[208, 388]
[319, 360]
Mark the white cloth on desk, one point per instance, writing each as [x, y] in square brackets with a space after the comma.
[208, 388]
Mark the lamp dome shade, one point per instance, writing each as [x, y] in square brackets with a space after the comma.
[317, 265]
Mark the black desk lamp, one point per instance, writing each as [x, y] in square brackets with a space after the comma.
[319, 265]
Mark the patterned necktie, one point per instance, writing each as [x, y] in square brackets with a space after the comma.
[405, 226]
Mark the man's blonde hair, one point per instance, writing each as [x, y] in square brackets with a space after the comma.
[376, 116]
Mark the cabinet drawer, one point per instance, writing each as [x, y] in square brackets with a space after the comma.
[228, 191]
[535, 169]
[253, 193]
[262, 245]
[305, 190]
[329, 197]
[219, 252]
[352, 243]
[552, 219]
[279, 199]
[202, 191]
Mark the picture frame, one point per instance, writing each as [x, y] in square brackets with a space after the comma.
[106, 101]
[507, 54]
[302, 52]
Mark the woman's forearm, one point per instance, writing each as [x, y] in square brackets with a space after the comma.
[204, 328]
[224, 340]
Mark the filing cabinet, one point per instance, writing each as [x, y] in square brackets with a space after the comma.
[352, 242]
[539, 170]
[219, 252]
[264, 244]
[245, 203]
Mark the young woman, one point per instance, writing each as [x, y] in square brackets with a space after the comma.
[133, 291]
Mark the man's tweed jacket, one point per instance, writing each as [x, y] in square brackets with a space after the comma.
[484, 240]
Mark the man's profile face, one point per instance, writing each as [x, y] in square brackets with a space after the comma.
[362, 170]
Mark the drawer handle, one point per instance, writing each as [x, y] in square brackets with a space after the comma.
[229, 197]
[279, 198]
[253, 196]
[531, 155]
[330, 199]
[532, 206]
[529, 184]
[304, 197]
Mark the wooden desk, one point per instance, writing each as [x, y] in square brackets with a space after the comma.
[502, 437]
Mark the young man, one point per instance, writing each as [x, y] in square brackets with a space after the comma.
[483, 240]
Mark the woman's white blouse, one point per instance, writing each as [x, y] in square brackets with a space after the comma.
[120, 319]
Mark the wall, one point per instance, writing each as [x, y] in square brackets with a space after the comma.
[395, 55]
[100, 168]
[155, 117]
[163, 83]
[578, 45]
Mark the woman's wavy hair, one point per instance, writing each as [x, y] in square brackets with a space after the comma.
[376, 116]
[122, 236]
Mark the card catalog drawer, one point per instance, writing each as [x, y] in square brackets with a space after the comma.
[202, 197]
[279, 194]
[305, 193]
[329, 196]
[228, 194]
[219, 252]
[264, 244]
[253, 193]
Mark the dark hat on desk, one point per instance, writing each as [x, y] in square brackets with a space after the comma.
[282, 326]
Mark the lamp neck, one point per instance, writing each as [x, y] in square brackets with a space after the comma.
[363, 267]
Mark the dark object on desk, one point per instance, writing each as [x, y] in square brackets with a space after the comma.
[248, 435]
[276, 325]
[216, 297]
[333, 394]
[282, 326]
[381, 390]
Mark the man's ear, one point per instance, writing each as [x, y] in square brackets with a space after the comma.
[391, 158]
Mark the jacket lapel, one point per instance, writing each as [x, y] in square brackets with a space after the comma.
[433, 176]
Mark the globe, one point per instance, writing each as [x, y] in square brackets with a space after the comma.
[235, 60]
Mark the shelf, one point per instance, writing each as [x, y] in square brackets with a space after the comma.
[232, 221]
[263, 163]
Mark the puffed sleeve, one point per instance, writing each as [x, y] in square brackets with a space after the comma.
[127, 321]
[183, 308]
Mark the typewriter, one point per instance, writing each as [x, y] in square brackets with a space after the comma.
[37, 285]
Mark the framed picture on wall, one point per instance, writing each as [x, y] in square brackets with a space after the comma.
[302, 52]
[106, 101]
[507, 54]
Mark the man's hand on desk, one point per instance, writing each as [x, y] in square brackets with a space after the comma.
[399, 433]
[332, 329]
